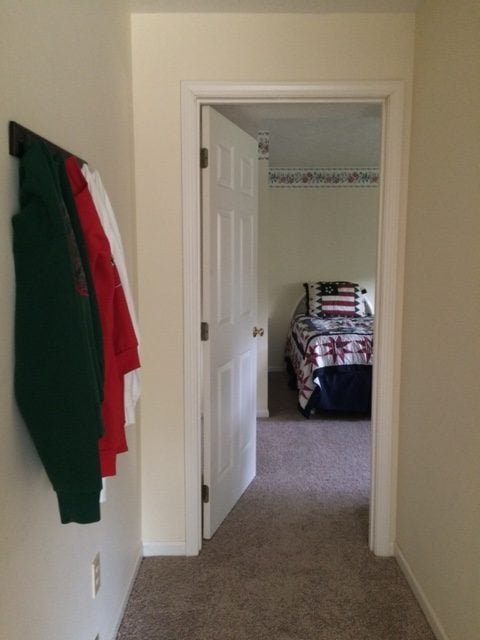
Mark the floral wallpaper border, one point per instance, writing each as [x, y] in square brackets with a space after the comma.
[263, 141]
[310, 177]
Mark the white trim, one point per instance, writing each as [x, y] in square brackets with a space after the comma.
[128, 591]
[263, 413]
[389, 288]
[423, 601]
[191, 319]
[389, 282]
[164, 549]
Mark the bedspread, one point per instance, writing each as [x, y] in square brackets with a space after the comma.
[315, 344]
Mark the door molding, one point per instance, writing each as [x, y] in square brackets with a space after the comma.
[389, 283]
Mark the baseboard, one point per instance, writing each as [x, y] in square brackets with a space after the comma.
[427, 608]
[164, 549]
[387, 550]
[263, 413]
[128, 591]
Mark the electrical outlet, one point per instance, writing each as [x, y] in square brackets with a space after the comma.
[95, 576]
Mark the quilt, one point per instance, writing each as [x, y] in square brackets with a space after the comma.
[318, 345]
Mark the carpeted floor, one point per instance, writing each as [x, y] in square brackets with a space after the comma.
[291, 561]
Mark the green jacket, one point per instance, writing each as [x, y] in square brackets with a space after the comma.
[58, 352]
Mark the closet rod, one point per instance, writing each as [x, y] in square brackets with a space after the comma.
[18, 136]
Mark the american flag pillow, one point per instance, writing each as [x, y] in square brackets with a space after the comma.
[325, 299]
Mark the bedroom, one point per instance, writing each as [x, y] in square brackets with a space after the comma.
[313, 225]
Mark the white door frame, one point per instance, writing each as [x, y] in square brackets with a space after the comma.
[389, 283]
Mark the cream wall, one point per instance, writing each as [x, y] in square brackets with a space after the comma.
[169, 48]
[317, 234]
[439, 471]
[262, 287]
[65, 72]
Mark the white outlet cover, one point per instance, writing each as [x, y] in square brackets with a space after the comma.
[96, 580]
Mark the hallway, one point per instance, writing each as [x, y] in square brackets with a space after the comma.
[291, 561]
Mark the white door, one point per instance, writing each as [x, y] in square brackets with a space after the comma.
[229, 301]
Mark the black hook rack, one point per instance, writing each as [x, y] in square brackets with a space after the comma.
[19, 136]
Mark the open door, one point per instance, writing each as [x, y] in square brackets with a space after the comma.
[229, 301]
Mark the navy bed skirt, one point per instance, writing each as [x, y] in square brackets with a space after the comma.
[347, 388]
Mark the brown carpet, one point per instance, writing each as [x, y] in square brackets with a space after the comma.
[291, 561]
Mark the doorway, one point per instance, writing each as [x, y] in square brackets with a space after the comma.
[384, 412]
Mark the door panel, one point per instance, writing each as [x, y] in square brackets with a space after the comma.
[224, 424]
[229, 225]
[225, 266]
[245, 399]
[247, 242]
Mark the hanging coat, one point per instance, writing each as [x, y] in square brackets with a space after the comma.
[119, 340]
[133, 381]
[58, 356]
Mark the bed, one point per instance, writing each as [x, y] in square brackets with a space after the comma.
[329, 349]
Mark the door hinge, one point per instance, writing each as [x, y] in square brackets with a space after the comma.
[205, 493]
[203, 158]
[204, 331]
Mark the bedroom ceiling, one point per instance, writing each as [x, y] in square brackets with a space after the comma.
[314, 135]
[273, 6]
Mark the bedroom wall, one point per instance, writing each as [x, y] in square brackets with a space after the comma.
[65, 70]
[262, 287]
[439, 448]
[168, 48]
[317, 234]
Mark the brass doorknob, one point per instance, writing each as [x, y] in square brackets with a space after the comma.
[258, 331]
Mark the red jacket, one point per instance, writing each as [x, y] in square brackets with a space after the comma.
[119, 340]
